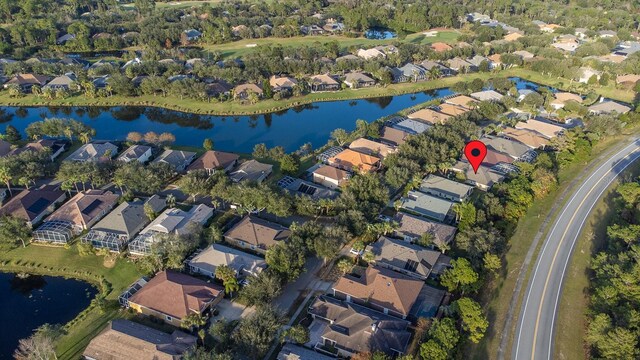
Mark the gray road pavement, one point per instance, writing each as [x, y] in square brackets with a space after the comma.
[534, 335]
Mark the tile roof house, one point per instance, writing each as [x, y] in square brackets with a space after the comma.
[562, 98]
[429, 116]
[242, 91]
[244, 264]
[330, 176]
[532, 139]
[452, 110]
[440, 47]
[461, 65]
[66, 81]
[172, 296]
[193, 34]
[294, 352]
[426, 205]
[409, 72]
[462, 101]
[299, 187]
[141, 153]
[54, 146]
[78, 214]
[412, 127]
[171, 221]
[350, 160]
[525, 55]
[347, 329]
[282, 83]
[608, 107]
[429, 65]
[177, 158]
[587, 73]
[411, 228]
[514, 149]
[251, 170]
[487, 95]
[357, 80]
[494, 158]
[121, 225]
[410, 259]
[123, 339]
[256, 234]
[484, 179]
[370, 53]
[630, 79]
[393, 136]
[33, 205]
[512, 37]
[213, 160]
[95, 151]
[381, 289]
[545, 129]
[323, 82]
[445, 188]
[26, 81]
[370, 147]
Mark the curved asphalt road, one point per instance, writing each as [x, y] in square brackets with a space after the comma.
[534, 334]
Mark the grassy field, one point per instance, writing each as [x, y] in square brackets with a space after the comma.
[242, 47]
[57, 261]
[574, 302]
[497, 296]
[176, 4]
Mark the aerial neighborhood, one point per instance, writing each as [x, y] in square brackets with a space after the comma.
[383, 242]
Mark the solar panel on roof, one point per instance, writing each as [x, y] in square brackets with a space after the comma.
[38, 206]
[94, 205]
[411, 265]
[306, 189]
[339, 328]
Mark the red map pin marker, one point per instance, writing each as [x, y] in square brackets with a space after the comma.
[475, 151]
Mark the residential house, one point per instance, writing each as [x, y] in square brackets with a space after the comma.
[282, 83]
[330, 176]
[323, 82]
[256, 234]
[409, 72]
[26, 81]
[242, 91]
[178, 159]
[628, 79]
[299, 187]
[429, 116]
[477, 17]
[80, 213]
[347, 329]
[381, 289]
[217, 88]
[193, 34]
[94, 151]
[545, 129]
[461, 66]
[393, 136]
[333, 26]
[33, 205]
[607, 33]
[496, 61]
[440, 47]
[477, 60]
[426, 205]
[141, 153]
[251, 170]
[54, 146]
[121, 225]
[213, 160]
[357, 80]
[608, 107]
[412, 127]
[409, 259]
[512, 37]
[171, 296]
[483, 179]
[123, 339]
[244, 264]
[350, 160]
[348, 57]
[294, 352]
[67, 81]
[587, 73]
[525, 55]
[532, 139]
[566, 46]
[462, 101]
[549, 28]
[581, 33]
[64, 38]
[370, 53]
[516, 150]
[561, 98]
[487, 95]
[626, 48]
[411, 228]
[452, 110]
[494, 158]
[370, 147]
[445, 188]
[523, 93]
[441, 69]
[171, 221]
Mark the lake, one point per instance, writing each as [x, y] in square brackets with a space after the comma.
[25, 304]
[379, 34]
[290, 128]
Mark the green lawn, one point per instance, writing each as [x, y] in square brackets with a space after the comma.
[242, 47]
[175, 4]
[57, 261]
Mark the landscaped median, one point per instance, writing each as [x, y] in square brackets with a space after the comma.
[109, 278]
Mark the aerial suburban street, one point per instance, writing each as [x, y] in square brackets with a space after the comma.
[535, 332]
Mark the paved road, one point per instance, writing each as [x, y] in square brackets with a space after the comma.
[534, 334]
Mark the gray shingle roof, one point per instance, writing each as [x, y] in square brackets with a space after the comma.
[401, 255]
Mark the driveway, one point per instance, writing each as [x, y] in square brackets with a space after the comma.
[307, 280]
[232, 311]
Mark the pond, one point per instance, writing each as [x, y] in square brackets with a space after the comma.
[27, 303]
[377, 33]
[290, 128]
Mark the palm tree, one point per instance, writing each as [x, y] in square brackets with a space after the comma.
[109, 89]
[68, 133]
[5, 177]
[228, 277]
[171, 200]
[85, 137]
[192, 320]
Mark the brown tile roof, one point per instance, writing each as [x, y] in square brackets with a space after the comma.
[430, 116]
[124, 339]
[258, 232]
[282, 82]
[370, 147]
[213, 160]
[24, 79]
[352, 160]
[332, 173]
[546, 129]
[85, 207]
[176, 294]
[440, 47]
[462, 101]
[563, 97]
[493, 158]
[323, 79]
[30, 203]
[414, 227]
[629, 78]
[452, 110]
[394, 136]
[382, 287]
[512, 37]
[528, 137]
[248, 87]
[496, 58]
